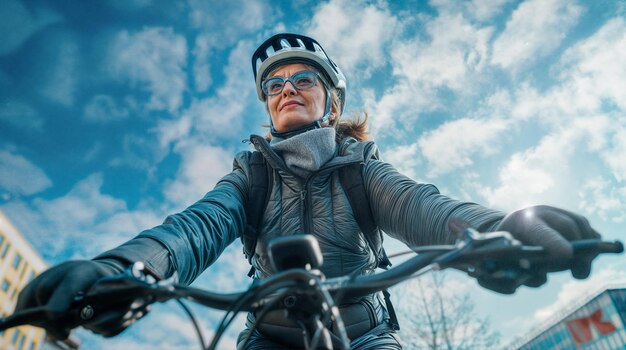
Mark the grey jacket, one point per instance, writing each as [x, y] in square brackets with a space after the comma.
[416, 214]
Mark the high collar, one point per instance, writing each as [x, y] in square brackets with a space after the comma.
[307, 152]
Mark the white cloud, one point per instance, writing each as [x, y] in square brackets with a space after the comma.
[598, 196]
[595, 69]
[532, 104]
[483, 10]
[228, 20]
[20, 114]
[170, 131]
[582, 115]
[231, 270]
[355, 34]
[141, 151]
[615, 153]
[73, 204]
[19, 176]
[129, 5]
[401, 105]
[200, 169]
[535, 29]
[588, 82]
[450, 55]
[104, 109]
[455, 144]
[222, 25]
[405, 158]
[536, 175]
[18, 23]
[61, 86]
[202, 53]
[89, 221]
[457, 50]
[155, 60]
[221, 115]
[479, 10]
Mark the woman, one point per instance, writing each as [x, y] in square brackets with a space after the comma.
[304, 92]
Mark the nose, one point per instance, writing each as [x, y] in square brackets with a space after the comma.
[289, 89]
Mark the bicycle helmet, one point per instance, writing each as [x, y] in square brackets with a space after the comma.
[286, 48]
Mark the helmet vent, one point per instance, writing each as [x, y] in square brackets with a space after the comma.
[294, 48]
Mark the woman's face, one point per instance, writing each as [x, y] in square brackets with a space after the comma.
[293, 108]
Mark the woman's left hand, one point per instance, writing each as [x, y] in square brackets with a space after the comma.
[553, 229]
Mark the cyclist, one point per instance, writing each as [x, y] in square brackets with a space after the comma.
[304, 93]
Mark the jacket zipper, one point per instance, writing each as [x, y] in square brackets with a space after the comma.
[307, 200]
[305, 214]
[305, 197]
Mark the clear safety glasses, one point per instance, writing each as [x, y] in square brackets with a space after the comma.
[304, 80]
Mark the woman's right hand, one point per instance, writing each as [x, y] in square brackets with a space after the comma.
[56, 289]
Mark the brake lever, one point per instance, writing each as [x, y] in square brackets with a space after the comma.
[499, 256]
[472, 246]
[134, 283]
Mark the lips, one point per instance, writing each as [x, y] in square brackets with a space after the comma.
[289, 103]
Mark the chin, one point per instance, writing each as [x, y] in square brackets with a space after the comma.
[294, 124]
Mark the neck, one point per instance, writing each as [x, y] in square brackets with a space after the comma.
[287, 134]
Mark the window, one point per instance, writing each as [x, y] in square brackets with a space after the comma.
[20, 346]
[16, 335]
[24, 268]
[5, 249]
[17, 261]
[5, 285]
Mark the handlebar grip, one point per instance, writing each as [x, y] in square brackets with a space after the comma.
[597, 246]
[27, 316]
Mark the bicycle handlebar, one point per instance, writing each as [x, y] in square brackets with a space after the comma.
[494, 254]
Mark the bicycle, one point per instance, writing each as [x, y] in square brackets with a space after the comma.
[306, 295]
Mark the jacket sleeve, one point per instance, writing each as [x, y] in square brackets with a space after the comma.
[190, 241]
[417, 214]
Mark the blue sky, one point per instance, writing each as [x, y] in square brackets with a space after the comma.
[114, 114]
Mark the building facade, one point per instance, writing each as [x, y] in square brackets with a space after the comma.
[596, 324]
[19, 263]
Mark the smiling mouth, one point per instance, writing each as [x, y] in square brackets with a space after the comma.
[294, 103]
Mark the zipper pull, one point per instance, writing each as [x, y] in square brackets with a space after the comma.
[303, 195]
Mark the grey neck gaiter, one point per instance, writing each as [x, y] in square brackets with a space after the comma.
[307, 152]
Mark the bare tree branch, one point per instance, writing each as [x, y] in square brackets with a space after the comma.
[434, 313]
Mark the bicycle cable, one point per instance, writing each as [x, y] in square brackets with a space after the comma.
[194, 321]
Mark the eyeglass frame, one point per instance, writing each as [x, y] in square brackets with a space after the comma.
[290, 79]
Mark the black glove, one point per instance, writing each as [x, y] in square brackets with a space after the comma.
[553, 229]
[56, 289]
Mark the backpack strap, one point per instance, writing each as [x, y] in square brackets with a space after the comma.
[351, 179]
[260, 181]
